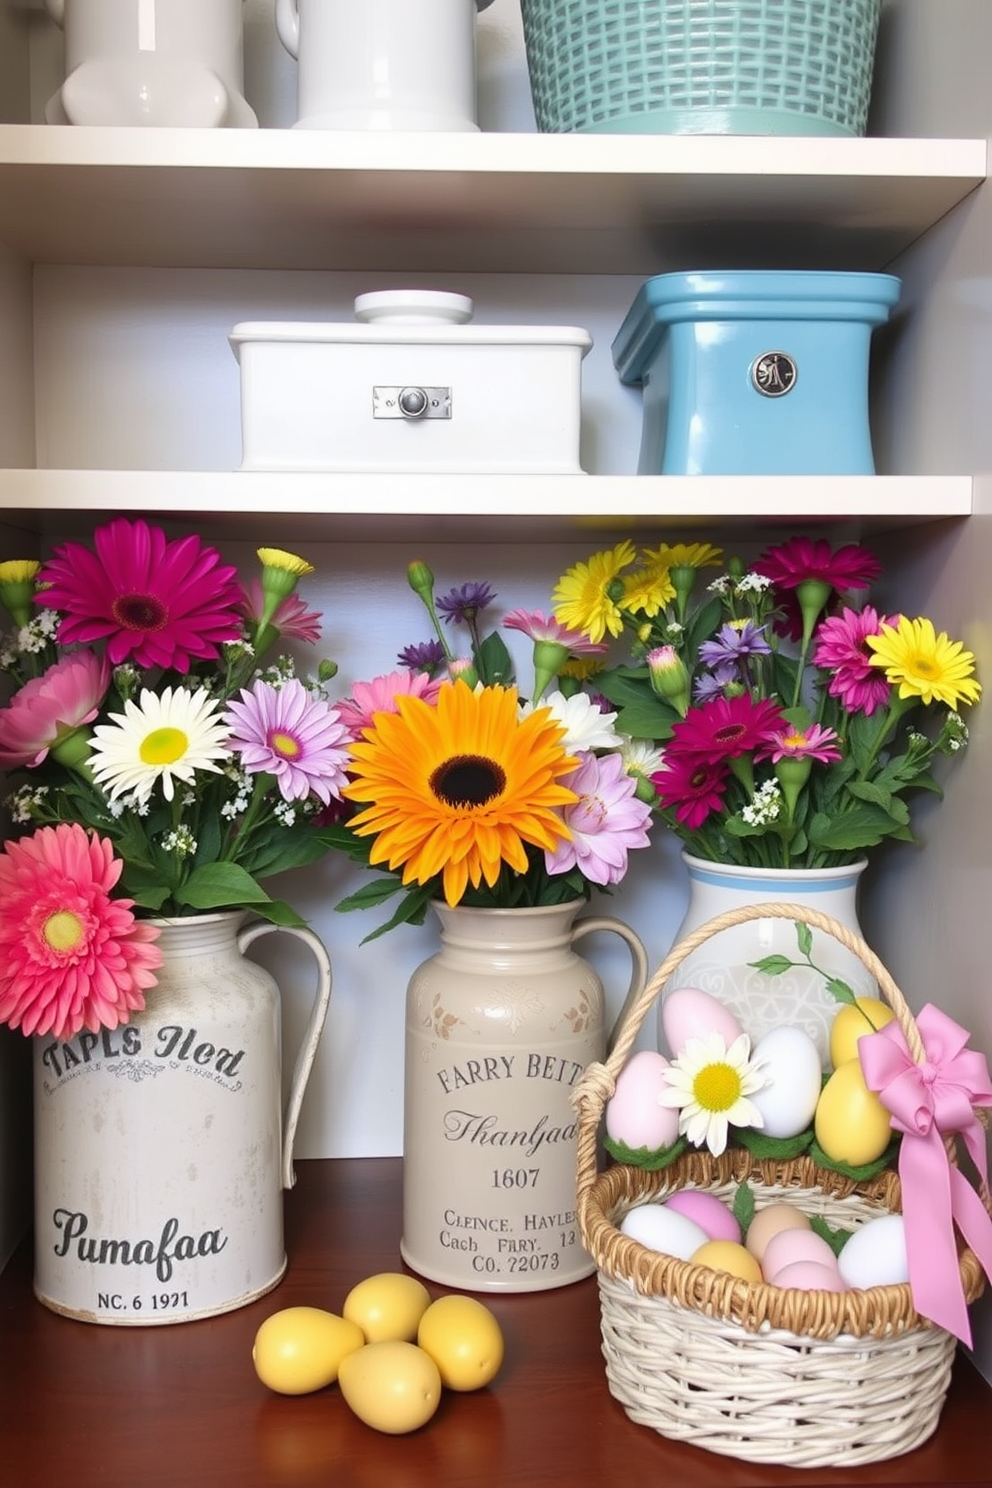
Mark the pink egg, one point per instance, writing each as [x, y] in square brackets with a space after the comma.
[810, 1276]
[688, 1013]
[789, 1246]
[633, 1115]
[710, 1213]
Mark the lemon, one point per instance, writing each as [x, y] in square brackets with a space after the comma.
[387, 1306]
[300, 1349]
[851, 1022]
[464, 1339]
[851, 1124]
[392, 1386]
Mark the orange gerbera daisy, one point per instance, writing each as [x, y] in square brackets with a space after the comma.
[459, 787]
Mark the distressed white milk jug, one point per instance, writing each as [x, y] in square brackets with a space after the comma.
[382, 64]
[153, 62]
[162, 1147]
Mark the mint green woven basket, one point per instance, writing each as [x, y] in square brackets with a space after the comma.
[800, 67]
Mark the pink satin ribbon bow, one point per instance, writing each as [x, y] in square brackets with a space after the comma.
[929, 1101]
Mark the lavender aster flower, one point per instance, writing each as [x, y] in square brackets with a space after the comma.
[729, 651]
[425, 656]
[288, 733]
[466, 603]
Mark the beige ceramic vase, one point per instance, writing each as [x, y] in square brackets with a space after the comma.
[501, 1021]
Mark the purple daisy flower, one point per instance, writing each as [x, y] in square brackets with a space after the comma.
[466, 603]
[425, 656]
[286, 732]
[728, 653]
[604, 823]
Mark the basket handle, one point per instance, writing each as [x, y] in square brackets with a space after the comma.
[598, 1081]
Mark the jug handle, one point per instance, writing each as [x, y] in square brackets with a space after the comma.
[287, 24]
[308, 1048]
[638, 956]
[56, 9]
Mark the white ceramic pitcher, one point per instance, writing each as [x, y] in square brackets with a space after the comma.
[382, 64]
[151, 62]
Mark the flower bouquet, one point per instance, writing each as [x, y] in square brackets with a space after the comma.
[794, 716]
[461, 789]
[166, 770]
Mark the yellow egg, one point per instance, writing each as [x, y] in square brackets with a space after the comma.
[851, 1124]
[851, 1022]
[300, 1349]
[393, 1386]
[464, 1339]
[727, 1255]
[771, 1221]
[387, 1306]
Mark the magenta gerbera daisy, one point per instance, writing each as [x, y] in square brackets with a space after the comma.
[841, 647]
[692, 787]
[287, 732]
[380, 696]
[47, 708]
[604, 823]
[802, 559]
[725, 728]
[813, 742]
[71, 957]
[156, 603]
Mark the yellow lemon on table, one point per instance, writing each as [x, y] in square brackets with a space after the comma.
[851, 1022]
[464, 1339]
[387, 1306]
[850, 1123]
[392, 1386]
[300, 1349]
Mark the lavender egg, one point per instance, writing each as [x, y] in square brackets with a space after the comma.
[688, 1013]
[633, 1115]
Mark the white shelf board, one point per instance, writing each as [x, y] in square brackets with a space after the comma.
[456, 507]
[312, 199]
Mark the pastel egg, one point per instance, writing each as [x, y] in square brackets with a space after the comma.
[725, 1255]
[709, 1212]
[663, 1229]
[768, 1221]
[810, 1276]
[792, 1073]
[851, 1124]
[875, 1255]
[688, 1013]
[633, 1115]
[789, 1246]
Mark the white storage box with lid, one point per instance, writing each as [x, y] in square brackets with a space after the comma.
[410, 386]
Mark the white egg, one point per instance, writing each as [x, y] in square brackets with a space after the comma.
[875, 1255]
[792, 1071]
[664, 1229]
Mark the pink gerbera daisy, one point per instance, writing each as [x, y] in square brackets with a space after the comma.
[47, 708]
[540, 627]
[155, 602]
[695, 788]
[604, 823]
[291, 618]
[802, 559]
[380, 695]
[814, 743]
[71, 957]
[841, 647]
[725, 728]
[287, 732]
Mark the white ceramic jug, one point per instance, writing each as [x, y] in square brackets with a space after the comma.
[382, 64]
[178, 63]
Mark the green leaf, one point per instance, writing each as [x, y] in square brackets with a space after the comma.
[836, 1239]
[743, 1206]
[773, 965]
[840, 990]
[220, 886]
[370, 895]
[804, 935]
[411, 911]
[493, 662]
[863, 827]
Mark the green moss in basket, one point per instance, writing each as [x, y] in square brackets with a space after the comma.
[863, 1173]
[644, 1157]
[776, 1149]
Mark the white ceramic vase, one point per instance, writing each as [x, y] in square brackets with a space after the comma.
[501, 1021]
[382, 64]
[162, 1147]
[722, 965]
[176, 63]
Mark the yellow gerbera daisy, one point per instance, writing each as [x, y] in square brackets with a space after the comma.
[685, 555]
[923, 664]
[457, 788]
[647, 589]
[582, 596]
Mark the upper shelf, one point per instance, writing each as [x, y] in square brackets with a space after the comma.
[623, 204]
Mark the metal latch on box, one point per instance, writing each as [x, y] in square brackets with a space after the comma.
[411, 403]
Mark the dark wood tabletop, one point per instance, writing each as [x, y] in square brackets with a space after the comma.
[181, 1407]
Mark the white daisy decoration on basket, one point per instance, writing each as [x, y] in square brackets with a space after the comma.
[709, 1084]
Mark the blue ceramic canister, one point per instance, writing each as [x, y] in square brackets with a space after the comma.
[754, 372]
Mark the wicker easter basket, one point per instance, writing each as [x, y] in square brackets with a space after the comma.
[750, 1370]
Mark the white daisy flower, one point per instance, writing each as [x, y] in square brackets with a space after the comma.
[160, 738]
[641, 758]
[586, 727]
[709, 1085]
